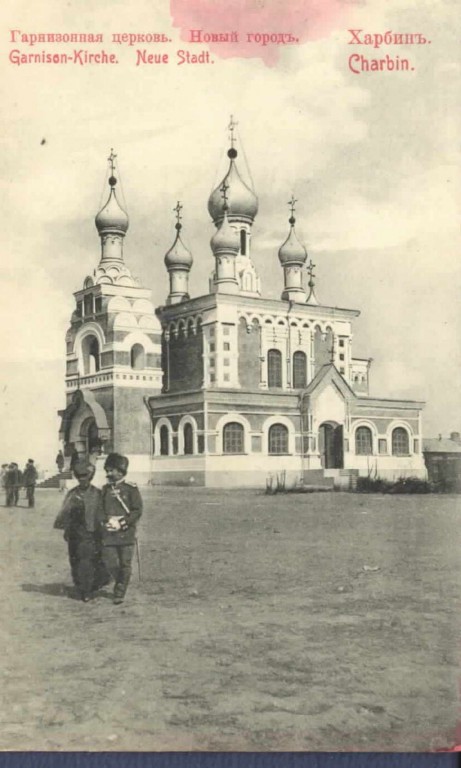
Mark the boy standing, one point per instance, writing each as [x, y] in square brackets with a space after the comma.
[80, 518]
[122, 507]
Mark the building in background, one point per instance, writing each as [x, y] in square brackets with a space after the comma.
[229, 387]
[442, 456]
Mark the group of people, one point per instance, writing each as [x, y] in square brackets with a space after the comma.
[13, 479]
[100, 528]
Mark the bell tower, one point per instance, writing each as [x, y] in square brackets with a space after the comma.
[113, 352]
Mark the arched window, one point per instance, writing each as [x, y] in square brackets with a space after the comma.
[363, 441]
[188, 439]
[243, 242]
[299, 370]
[164, 441]
[400, 442]
[138, 357]
[274, 368]
[88, 304]
[233, 438]
[278, 439]
[90, 354]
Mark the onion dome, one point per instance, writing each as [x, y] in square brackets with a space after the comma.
[226, 238]
[292, 251]
[178, 256]
[243, 203]
[112, 217]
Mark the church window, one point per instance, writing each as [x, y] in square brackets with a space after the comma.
[164, 441]
[274, 368]
[226, 377]
[90, 355]
[212, 347]
[278, 439]
[341, 370]
[363, 441]
[138, 357]
[233, 438]
[188, 439]
[243, 242]
[341, 342]
[212, 377]
[226, 361]
[226, 330]
[341, 357]
[212, 330]
[211, 362]
[98, 304]
[400, 442]
[226, 346]
[88, 304]
[79, 308]
[299, 370]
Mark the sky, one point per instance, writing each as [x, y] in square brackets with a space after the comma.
[372, 160]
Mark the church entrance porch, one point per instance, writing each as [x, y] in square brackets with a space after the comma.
[84, 427]
[330, 445]
[90, 443]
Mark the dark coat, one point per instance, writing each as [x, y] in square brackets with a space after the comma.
[30, 474]
[122, 501]
[13, 478]
[81, 513]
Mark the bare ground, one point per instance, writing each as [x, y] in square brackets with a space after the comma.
[298, 622]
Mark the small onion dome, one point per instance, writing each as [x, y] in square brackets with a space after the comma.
[112, 217]
[178, 255]
[292, 251]
[226, 238]
[242, 201]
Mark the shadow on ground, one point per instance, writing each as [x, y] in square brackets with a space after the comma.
[61, 590]
[55, 590]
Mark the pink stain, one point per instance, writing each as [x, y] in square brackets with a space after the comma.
[304, 19]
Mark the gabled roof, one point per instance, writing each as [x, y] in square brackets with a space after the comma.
[328, 374]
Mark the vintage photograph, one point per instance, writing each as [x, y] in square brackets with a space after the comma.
[230, 390]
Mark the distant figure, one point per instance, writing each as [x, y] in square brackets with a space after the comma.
[60, 461]
[122, 507]
[12, 484]
[3, 472]
[17, 483]
[29, 479]
[80, 518]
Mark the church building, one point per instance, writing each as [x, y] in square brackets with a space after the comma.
[227, 388]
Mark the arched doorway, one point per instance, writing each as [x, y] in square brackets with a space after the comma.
[90, 436]
[331, 445]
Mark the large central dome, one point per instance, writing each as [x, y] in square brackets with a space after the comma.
[241, 200]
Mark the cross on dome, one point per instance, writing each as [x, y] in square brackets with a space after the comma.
[112, 157]
[111, 160]
[178, 208]
[292, 204]
[232, 125]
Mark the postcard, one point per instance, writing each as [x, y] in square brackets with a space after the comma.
[230, 392]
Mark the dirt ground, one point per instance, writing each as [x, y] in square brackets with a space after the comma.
[326, 621]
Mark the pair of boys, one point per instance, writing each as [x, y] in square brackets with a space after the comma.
[100, 527]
